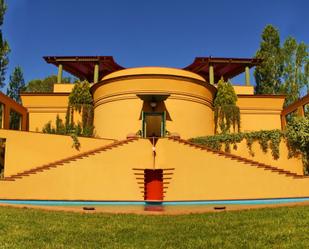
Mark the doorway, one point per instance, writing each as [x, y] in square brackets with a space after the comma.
[153, 184]
[153, 124]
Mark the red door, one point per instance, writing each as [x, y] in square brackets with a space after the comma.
[153, 184]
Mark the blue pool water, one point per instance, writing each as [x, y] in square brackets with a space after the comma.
[164, 203]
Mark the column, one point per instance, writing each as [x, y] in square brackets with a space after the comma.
[247, 69]
[96, 73]
[283, 122]
[211, 75]
[2, 115]
[59, 78]
[6, 117]
[300, 111]
[24, 121]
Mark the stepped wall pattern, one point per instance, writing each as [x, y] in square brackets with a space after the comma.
[203, 174]
[115, 172]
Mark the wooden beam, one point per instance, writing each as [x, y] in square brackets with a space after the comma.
[293, 107]
[9, 104]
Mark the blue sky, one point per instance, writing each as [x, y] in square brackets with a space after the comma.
[144, 33]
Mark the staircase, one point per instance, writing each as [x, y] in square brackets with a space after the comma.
[189, 172]
[67, 160]
[241, 159]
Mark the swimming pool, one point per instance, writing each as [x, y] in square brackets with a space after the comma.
[163, 203]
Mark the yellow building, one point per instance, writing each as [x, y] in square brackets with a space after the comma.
[143, 118]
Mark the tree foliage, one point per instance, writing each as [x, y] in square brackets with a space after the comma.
[45, 85]
[284, 69]
[42, 85]
[226, 112]
[268, 73]
[16, 84]
[298, 139]
[295, 69]
[4, 46]
[80, 100]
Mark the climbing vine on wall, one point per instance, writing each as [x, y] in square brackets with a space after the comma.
[267, 140]
[297, 134]
[226, 112]
[80, 100]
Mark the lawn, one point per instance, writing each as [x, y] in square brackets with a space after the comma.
[286, 227]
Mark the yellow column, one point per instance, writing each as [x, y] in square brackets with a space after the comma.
[211, 75]
[247, 69]
[59, 78]
[96, 73]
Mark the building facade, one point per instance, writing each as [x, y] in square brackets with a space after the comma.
[143, 118]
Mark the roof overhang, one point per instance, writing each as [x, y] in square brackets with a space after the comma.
[83, 66]
[223, 67]
[153, 97]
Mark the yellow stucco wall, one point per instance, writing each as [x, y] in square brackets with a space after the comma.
[108, 175]
[43, 108]
[260, 112]
[27, 150]
[189, 105]
[201, 175]
[118, 109]
[153, 71]
[197, 175]
[63, 88]
[293, 164]
[240, 89]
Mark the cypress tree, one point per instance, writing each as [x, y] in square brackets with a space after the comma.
[295, 71]
[268, 73]
[227, 113]
[16, 84]
[4, 46]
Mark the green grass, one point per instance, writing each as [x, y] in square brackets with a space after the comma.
[286, 227]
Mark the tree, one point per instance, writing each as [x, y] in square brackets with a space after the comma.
[268, 73]
[80, 99]
[298, 139]
[295, 70]
[4, 46]
[16, 85]
[46, 84]
[42, 85]
[227, 114]
[284, 70]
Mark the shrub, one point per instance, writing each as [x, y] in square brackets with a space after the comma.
[226, 114]
[297, 134]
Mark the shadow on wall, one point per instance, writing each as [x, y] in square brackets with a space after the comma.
[160, 107]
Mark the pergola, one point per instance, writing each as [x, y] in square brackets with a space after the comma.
[93, 68]
[213, 68]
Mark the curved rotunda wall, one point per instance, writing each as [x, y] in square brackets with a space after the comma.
[118, 109]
